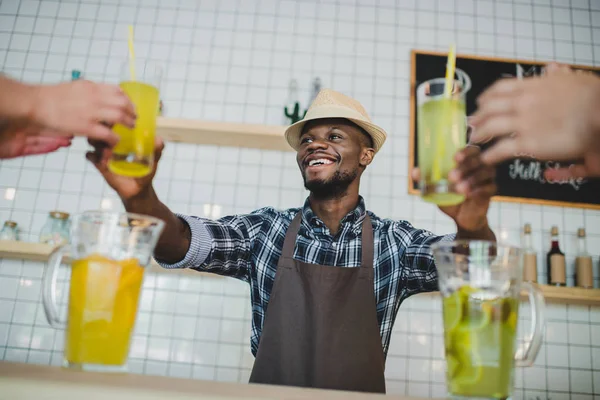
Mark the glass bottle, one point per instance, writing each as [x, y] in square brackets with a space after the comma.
[56, 230]
[530, 258]
[583, 263]
[316, 88]
[9, 231]
[557, 269]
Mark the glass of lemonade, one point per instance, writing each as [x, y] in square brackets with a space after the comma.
[442, 131]
[480, 283]
[109, 252]
[134, 154]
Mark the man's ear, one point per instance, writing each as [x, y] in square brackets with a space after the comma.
[366, 156]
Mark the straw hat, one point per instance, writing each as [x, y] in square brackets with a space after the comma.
[332, 104]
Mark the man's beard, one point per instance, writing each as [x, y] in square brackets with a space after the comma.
[332, 188]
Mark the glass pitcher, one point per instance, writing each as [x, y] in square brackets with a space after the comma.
[481, 283]
[109, 252]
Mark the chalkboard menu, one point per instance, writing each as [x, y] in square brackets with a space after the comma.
[519, 179]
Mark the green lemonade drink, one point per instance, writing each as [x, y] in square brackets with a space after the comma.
[480, 332]
[442, 132]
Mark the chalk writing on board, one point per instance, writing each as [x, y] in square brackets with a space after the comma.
[534, 171]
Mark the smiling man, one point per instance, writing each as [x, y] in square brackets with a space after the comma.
[326, 279]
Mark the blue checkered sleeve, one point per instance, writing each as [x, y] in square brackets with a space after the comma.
[221, 246]
[422, 273]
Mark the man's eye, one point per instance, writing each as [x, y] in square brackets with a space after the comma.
[335, 136]
[305, 140]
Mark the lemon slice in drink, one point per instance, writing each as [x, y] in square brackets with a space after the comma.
[453, 310]
[452, 364]
[468, 372]
[477, 319]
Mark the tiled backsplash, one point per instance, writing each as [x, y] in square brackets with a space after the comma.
[232, 60]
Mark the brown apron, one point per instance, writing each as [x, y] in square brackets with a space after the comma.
[320, 327]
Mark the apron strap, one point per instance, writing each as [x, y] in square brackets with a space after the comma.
[367, 243]
[290, 236]
[366, 240]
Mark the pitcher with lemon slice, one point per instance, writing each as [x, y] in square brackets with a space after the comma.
[442, 131]
[480, 283]
[110, 252]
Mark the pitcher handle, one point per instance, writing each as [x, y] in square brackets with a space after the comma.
[538, 326]
[49, 286]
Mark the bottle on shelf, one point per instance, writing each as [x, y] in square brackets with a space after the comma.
[530, 257]
[56, 231]
[583, 263]
[9, 231]
[557, 267]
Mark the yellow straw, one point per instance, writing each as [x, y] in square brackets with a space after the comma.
[445, 118]
[450, 69]
[131, 54]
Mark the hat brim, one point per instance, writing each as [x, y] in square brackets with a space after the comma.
[292, 133]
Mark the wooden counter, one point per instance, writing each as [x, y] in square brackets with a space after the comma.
[28, 381]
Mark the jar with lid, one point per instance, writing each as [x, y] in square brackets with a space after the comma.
[9, 231]
[56, 230]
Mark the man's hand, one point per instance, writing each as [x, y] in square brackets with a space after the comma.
[476, 181]
[552, 117]
[138, 196]
[128, 189]
[81, 108]
[17, 141]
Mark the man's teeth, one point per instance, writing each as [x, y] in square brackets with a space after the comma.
[319, 162]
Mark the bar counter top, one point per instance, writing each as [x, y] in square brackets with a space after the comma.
[28, 381]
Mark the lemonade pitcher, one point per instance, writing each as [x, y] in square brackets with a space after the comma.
[442, 131]
[480, 283]
[109, 252]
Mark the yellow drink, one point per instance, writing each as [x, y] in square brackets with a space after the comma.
[103, 303]
[134, 154]
[442, 132]
[479, 338]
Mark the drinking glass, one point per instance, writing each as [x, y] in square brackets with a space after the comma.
[442, 130]
[481, 283]
[109, 253]
[133, 156]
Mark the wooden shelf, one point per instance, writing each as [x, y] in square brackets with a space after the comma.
[18, 250]
[41, 252]
[266, 137]
[570, 295]
[555, 295]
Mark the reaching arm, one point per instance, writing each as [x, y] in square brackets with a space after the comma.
[418, 258]
[222, 246]
[483, 233]
[16, 100]
[81, 108]
[175, 239]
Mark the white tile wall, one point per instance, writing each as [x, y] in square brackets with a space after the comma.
[232, 60]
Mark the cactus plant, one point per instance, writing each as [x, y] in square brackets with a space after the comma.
[294, 116]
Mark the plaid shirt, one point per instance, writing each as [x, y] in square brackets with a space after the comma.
[248, 247]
